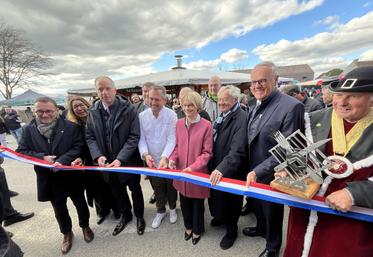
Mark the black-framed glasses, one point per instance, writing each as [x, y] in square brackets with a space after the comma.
[48, 112]
[260, 82]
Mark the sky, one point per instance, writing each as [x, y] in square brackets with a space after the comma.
[89, 38]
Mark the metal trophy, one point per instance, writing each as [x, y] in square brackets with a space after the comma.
[303, 163]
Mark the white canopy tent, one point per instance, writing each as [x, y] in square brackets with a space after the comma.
[174, 77]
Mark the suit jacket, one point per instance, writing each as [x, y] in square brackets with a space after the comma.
[279, 112]
[229, 149]
[124, 137]
[66, 144]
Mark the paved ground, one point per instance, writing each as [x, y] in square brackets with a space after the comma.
[40, 237]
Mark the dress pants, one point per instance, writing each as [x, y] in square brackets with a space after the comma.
[164, 192]
[119, 191]
[227, 207]
[269, 218]
[193, 210]
[8, 209]
[103, 197]
[62, 213]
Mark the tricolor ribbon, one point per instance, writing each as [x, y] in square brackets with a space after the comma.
[256, 190]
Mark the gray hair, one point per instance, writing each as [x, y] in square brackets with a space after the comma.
[148, 84]
[215, 78]
[160, 88]
[270, 65]
[98, 79]
[233, 91]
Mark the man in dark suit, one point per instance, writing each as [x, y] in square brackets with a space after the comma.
[55, 140]
[113, 133]
[272, 112]
[228, 159]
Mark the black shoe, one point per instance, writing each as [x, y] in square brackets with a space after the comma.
[216, 223]
[187, 236]
[195, 240]
[121, 225]
[252, 232]
[17, 217]
[101, 218]
[117, 215]
[140, 226]
[13, 193]
[245, 210]
[152, 199]
[267, 253]
[227, 242]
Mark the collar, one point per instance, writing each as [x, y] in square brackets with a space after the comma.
[197, 119]
[212, 97]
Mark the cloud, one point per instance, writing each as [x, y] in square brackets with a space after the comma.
[234, 55]
[203, 65]
[92, 37]
[331, 21]
[367, 56]
[325, 50]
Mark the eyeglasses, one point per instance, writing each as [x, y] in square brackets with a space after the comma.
[48, 112]
[260, 82]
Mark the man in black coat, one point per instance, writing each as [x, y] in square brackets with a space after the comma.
[113, 133]
[230, 132]
[273, 111]
[55, 140]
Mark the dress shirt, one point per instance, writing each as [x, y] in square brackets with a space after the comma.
[158, 134]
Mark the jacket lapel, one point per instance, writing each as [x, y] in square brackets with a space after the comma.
[321, 129]
[265, 117]
[60, 129]
[39, 138]
[98, 126]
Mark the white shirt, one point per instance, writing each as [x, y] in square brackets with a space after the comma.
[158, 135]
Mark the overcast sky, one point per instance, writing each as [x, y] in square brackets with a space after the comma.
[126, 38]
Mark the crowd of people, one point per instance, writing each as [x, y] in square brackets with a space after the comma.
[220, 134]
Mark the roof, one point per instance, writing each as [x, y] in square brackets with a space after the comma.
[26, 98]
[176, 77]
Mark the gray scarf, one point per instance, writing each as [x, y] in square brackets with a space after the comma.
[45, 130]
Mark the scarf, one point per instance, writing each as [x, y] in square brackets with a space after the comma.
[219, 120]
[342, 143]
[212, 97]
[45, 130]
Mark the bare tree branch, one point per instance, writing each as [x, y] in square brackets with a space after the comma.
[20, 61]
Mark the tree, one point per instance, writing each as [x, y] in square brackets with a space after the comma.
[331, 73]
[20, 61]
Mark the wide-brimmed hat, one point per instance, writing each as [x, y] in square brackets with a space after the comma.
[358, 80]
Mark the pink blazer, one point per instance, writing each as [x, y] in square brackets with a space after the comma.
[193, 149]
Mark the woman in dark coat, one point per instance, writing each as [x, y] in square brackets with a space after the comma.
[97, 190]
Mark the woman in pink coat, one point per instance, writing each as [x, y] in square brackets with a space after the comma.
[192, 152]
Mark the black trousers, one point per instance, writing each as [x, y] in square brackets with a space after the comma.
[164, 192]
[193, 210]
[103, 197]
[8, 209]
[269, 218]
[226, 207]
[62, 213]
[119, 191]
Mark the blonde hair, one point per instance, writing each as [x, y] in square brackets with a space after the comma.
[70, 112]
[192, 98]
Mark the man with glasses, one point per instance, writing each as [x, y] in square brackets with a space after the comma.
[57, 141]
[272, 111]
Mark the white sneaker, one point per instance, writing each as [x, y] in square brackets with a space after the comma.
[158, 219]
[173, 215]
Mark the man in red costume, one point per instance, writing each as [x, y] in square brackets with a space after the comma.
[350, 125]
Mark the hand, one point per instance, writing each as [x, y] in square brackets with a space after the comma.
[339, 200]
[77, 162]
[115, 163]
[149, 161]
[251, 177]
[49, 158]
[187, 169]
[56, 164]
[171, 164]
[163, 163]
[101, 161]
[281, 173]
[215, 177]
